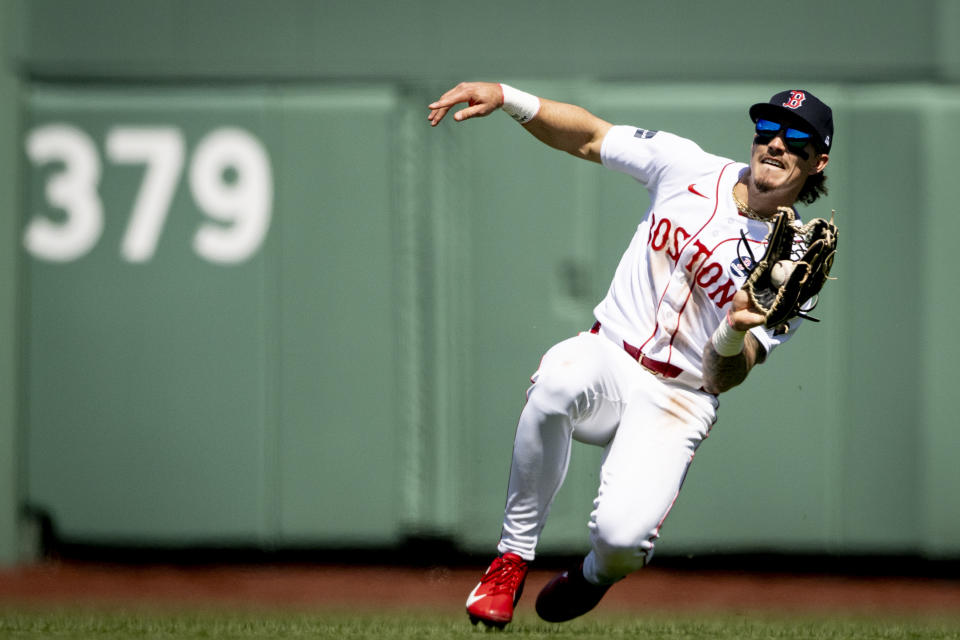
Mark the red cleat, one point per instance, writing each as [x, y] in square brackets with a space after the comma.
[493, 599]
[568, 596]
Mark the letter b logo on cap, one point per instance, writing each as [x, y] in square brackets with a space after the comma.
[796, 99]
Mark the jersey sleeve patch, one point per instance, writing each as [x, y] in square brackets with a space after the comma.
[646, 154]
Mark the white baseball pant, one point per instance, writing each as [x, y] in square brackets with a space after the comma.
[589, 389]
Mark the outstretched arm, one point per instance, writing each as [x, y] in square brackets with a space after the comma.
[562, 126]
[725, 370]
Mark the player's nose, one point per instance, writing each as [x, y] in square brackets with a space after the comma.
[777, 144]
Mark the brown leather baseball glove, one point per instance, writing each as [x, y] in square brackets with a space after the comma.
[786, 282]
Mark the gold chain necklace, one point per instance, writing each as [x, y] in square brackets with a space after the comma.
[745, 209]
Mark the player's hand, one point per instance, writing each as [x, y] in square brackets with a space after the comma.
[482, 98]
[745, 315]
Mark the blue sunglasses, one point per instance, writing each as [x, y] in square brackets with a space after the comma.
[794, 138]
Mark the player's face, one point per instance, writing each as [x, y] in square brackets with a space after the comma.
[778, 163]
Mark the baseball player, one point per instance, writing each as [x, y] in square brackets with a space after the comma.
[675, 329]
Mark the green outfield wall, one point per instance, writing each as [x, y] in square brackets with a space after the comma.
[250, 297]
[10, 468]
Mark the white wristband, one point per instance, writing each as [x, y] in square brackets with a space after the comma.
[726, 340]
[519, 105]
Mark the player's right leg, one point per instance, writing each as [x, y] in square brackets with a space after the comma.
[493, 599]
[575, 394]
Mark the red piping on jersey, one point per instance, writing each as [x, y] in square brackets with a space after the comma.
[656, 325]
[690, 294]
[716, 200]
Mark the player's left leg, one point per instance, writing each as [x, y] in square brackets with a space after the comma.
[643, 468]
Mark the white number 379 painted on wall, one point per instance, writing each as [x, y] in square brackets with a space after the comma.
[229, 177]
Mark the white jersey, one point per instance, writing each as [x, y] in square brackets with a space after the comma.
[676, 280]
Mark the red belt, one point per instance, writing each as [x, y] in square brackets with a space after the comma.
[664, 369]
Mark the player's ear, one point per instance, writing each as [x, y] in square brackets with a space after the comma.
[820, 163]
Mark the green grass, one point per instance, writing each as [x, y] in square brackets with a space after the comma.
[68, 624]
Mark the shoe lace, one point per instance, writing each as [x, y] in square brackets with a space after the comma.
[506, 575]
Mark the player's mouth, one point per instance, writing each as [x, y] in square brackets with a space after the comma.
[773, 162]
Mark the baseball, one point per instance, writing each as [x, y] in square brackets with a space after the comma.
[780, 272]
